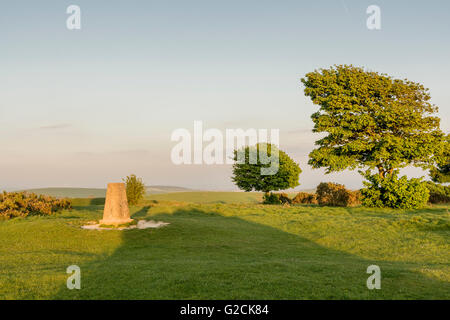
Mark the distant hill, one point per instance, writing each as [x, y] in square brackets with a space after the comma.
[172, 193]
[304, 190]
[70, 192]
[165, 189]
[98, 192]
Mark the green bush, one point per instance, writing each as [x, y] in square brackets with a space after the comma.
[276, 198]
[305, 198]
[394, 192]
[271, 198]
[438, 193]
[22, 204]
[135, 189]
[333, 194]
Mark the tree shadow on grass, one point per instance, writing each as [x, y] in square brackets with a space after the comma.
[83, 202]
[204, 255]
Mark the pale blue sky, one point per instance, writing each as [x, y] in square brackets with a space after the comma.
[87, 107]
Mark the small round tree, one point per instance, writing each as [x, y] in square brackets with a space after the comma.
[135, 189]
[256, 172]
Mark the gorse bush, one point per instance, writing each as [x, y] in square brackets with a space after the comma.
[305, 198]
[135, 189]
[438, 193]
[284, 198]
[22, 204]
[333, 194]
[394, 192]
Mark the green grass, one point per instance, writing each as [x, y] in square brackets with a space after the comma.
[209, 197]
[230, 251]
[192, 197]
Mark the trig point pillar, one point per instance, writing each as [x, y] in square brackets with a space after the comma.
[116, 205]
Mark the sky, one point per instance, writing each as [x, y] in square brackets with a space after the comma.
[81, 108]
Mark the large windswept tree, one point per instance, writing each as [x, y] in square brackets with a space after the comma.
[372, 121]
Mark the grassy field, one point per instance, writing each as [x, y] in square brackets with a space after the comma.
[209, 197]
[223, 250]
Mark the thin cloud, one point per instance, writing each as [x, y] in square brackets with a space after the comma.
[55, 126]
[345, 7]
[299, 131]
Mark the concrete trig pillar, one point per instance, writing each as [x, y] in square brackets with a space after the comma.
[116, 205]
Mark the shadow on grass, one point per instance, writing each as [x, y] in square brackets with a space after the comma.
[204, 255]
[83, 202]
[141, 213]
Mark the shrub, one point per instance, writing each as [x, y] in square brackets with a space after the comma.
[276, 198]
[394, 192]
[271, 198]
[305, 198]
[438, 193]
[284, 198]
[22, 204]
[135, 189]
[333, 194]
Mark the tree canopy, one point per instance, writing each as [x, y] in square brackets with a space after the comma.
[248, 176]
[441, 173]
[372, 120]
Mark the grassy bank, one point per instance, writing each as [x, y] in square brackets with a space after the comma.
[230, 251]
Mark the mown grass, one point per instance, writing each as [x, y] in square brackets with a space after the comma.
[230, 251]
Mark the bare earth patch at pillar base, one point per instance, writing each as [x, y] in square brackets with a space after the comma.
[141, 224]
[116, 210]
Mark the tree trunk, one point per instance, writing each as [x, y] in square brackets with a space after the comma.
[381, 171]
